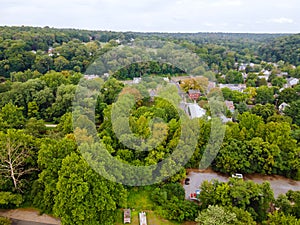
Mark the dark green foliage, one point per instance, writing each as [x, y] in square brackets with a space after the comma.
[281, 219]
[5, 221]
[294, 198]
[234, 77]
[146, 69]
[8, 199]
[170, 199]
[11, 116]
[288, 95]
[50, 159]
[293, 111]
[252, 146]
[283, 48]
[83, 196]
[264, 95]
[40, 68]
[246, 195]
[265, 111]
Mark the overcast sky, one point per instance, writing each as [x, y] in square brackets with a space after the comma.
[261, 16]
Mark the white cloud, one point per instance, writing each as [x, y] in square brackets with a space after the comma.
[226, 3]
[281, 20]
[156, 15]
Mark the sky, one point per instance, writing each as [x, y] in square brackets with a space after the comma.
[245, 16]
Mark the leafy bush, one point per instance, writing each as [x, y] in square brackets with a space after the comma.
[172, 205]
[5, 221]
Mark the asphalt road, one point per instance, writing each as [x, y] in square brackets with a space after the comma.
[280, 185]
[22, 222]
[29, 217]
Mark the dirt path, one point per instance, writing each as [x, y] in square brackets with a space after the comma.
[29, 215]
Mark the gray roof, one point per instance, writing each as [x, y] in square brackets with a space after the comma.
[194, 110]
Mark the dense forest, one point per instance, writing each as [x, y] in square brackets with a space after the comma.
[50, 146]
[284, 48]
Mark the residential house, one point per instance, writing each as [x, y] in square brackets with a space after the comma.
[137, 80]
[106, 75]
[230, 106]
[245, 76]
[242, 67]
[291, 82]
[50, 50]
[153, 94]
[90, 77]
[194, 110]
[194, 94]
[234, 87]
[225, 119]
[166, 79]
[266, 73]
[211, 85]
[264, 77]
[251, 65]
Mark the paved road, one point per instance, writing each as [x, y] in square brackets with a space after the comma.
[280, 185]
[29, 217]
[22, 222]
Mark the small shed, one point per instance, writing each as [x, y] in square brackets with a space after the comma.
[143, 218]
[127, 216]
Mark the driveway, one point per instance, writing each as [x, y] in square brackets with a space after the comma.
[280, 185]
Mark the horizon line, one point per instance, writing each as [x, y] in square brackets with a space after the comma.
[149, 31]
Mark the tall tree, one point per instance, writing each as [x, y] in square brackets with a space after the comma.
[17, 157]
[264, 95]
[84, 197]
[11, 116]
[216, 215]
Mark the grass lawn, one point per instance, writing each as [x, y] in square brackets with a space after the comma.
[139, 200]
[152, 219]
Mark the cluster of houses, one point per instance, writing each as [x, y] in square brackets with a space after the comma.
[265, 74]
[192, 108]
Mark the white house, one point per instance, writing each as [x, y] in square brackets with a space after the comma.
[225, 119]
[90, 77]
[266, 72]
[194, 110]
[137, 80]
[291, 82]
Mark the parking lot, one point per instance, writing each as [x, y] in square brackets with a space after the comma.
[280, 185]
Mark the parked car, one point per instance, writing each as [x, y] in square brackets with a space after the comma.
[187, 181]
[237, 175]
